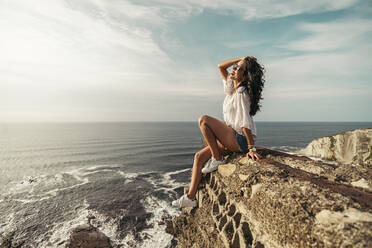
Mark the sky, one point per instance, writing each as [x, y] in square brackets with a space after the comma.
[156, 60]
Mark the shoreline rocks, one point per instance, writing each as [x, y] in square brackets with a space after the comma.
[87, 236]
[354, 146]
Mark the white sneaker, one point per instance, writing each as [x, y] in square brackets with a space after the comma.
[212, 165]
[184, 201]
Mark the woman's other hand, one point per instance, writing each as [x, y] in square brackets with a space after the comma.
[254, 155]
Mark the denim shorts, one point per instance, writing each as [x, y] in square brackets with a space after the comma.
[242, 142]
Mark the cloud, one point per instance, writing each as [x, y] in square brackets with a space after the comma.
[55, 42]
[317, 67]
[325, 74]
[336, 62]
[242, 44]
[270, 9]
[252, 9]
[344, 34]
[311, 91]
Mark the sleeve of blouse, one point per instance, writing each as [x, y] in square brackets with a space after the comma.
[228, 87]
[243, 110]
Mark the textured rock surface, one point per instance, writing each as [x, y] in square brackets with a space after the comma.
[353, 146]
[86, 236]
[281, 201]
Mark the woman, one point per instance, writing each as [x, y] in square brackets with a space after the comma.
[243, 88]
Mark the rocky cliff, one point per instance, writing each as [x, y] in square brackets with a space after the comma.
[282, 200]
[353, 146]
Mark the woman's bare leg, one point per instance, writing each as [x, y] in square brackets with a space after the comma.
[210, 138]
[213, 130]
[200, 158]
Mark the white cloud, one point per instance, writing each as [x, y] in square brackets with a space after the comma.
[332, 36]
[250, 9]
[274, 9]
[336, 66]
[311, 91]
[327, 74]
[242, 44]
[317, 67]
[50, 48]
[54, 42]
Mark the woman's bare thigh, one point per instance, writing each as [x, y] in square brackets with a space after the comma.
[223, 133]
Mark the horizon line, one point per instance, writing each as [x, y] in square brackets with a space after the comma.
[30, 122]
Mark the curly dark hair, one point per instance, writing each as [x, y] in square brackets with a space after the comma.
[254, 83]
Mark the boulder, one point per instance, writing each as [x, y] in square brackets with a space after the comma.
[226, 169]
[86, 236]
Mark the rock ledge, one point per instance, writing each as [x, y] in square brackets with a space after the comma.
[281, 201]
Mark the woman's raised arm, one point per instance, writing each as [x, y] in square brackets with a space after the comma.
[222, 67]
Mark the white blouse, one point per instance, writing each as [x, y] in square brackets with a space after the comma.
[236, 107]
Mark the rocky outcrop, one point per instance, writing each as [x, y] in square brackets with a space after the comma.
[87, 236]
[353, 146]
[282, 200]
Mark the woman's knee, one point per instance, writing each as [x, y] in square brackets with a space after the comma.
[203, 120]
[197, 156]
[197, 159]
[202, 155]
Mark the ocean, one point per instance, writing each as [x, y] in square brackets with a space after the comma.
[121, 177]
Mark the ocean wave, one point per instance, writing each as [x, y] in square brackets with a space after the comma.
[285, 148]
[156, 235]
[131, 176]
[60, 232]
[173, 183]
[161, 208]
[108, 226]
[164, 181]
[7, 225]
[315, 158]
[42, 187]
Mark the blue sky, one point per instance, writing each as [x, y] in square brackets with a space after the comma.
[157, 60]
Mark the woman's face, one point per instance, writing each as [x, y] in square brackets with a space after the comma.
[237, 73]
